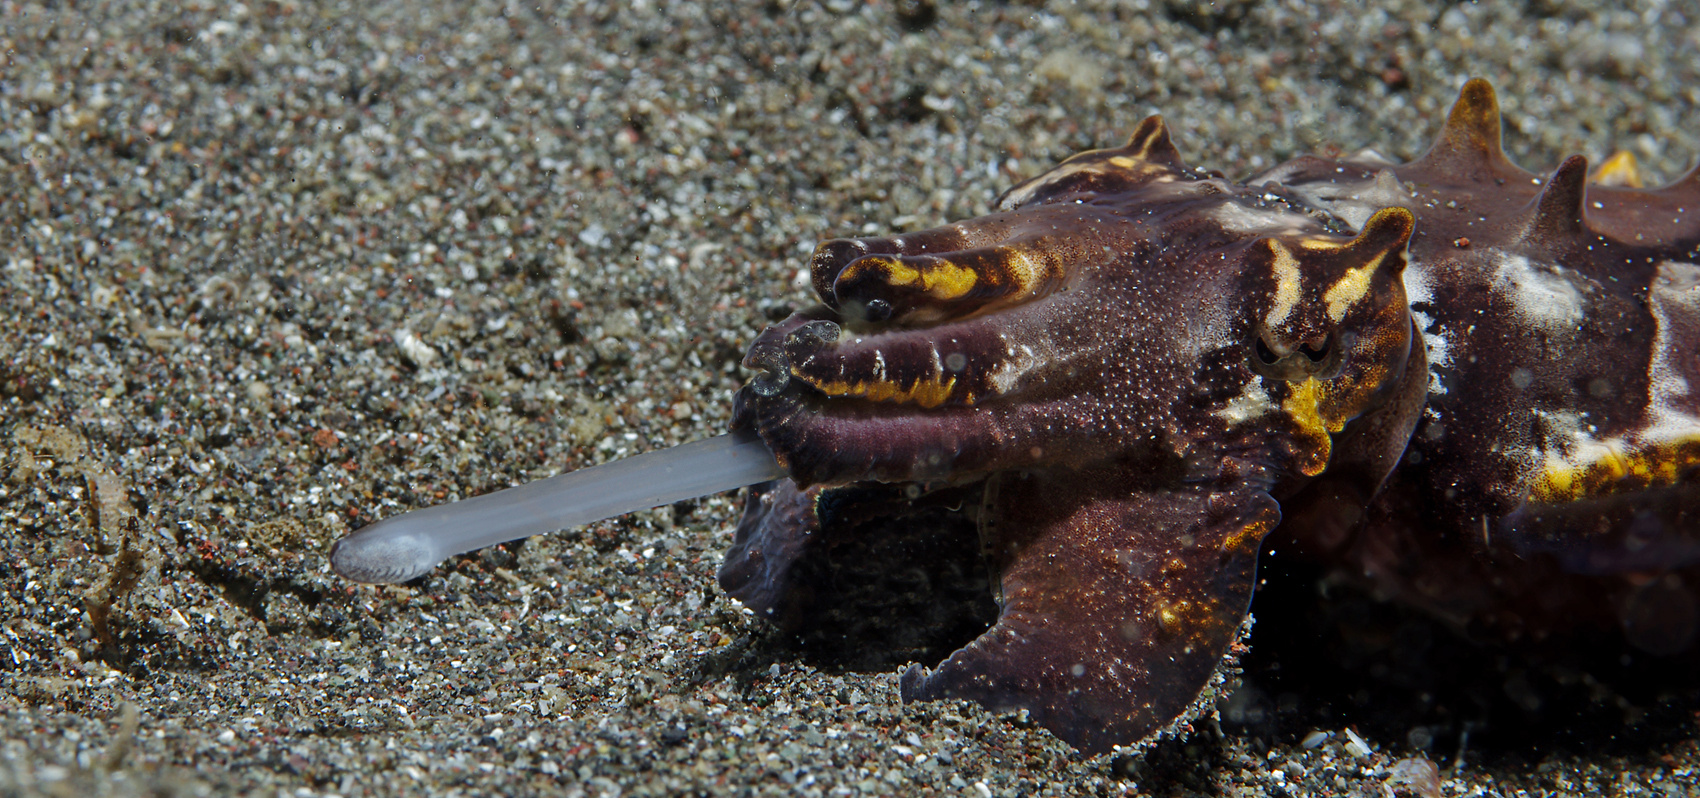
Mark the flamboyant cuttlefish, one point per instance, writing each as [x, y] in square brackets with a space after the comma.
[1135, 370]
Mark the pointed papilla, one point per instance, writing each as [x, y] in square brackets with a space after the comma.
[1389, 230]
[1473, 124]
[1150, 142]
[1557, 214]
[1470, 142]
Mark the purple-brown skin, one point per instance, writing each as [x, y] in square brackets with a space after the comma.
[1138, 370]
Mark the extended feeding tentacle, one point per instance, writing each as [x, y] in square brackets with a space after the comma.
[407, 546]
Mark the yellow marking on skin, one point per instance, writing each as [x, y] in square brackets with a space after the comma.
[1616, 468]
[1249, 536]
[1350, 288]
[1286, 271]
[1618, 170]
[1322, 244]
[1023, 271]
[1304, 407]
[1172, 615]
[944, 279]
[1190, 618]
[1088, 164]
[948, 280]
[928, 393]
[1150, 131]
[896, 271]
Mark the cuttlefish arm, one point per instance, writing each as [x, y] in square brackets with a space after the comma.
[1118, 606]
[407, 546]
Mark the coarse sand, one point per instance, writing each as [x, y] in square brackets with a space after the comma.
[273, 270]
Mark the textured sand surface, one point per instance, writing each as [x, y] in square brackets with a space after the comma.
[271, 271]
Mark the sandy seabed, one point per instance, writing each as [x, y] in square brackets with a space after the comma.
[271, 271]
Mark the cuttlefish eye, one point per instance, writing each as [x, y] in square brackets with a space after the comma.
[1317, 352]
[1322, 356]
